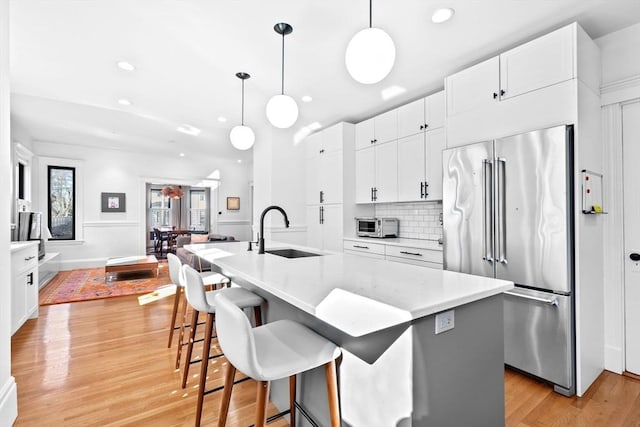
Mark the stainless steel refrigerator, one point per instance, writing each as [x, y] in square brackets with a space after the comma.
[508, 213]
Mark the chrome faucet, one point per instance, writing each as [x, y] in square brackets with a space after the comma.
[264, 212]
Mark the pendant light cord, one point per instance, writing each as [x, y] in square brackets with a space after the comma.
[242, 102]
[283, 63]
[370, 14]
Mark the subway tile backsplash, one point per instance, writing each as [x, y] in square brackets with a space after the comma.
[419, 220]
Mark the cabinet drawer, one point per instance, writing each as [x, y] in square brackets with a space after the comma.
[419, 263]
[373, 248]
[364, 254]
[424, 255]
[25, 259]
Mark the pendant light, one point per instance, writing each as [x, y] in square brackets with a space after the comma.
[282, 110]
[370, 54]
[241, 136]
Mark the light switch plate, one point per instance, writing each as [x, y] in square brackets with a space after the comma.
[445, 321]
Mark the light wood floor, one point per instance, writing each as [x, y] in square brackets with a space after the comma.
[106, 363]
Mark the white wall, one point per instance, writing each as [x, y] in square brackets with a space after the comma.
[620, 58]
[8, 397]
[278, 167]
[621, 82]
[102, 235]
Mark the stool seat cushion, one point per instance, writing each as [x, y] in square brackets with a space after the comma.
[238, 296]
[286, 348]
[272, 351]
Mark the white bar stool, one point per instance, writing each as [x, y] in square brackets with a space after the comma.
[276, 350]
[202, 301]
[210, 279]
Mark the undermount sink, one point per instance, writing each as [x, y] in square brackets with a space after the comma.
[291, 253]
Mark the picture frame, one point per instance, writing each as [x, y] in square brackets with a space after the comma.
[113, 202]
[233, 203]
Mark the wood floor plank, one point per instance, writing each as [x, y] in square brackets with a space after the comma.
[106, 363]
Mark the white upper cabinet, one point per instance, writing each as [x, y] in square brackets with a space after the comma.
[537, 64]
[411, 173]
[365, 174]
[435, 142]
[420, 166]
[386, 169]
[331, 174]
[421, 115]
[364, 134]
[411, 118]
[386, 127]
[474, 88]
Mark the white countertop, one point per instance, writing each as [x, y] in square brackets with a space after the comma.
[399, 241]
[355, 294]
[16, 246]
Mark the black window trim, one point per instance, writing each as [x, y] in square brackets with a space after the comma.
[73, 217]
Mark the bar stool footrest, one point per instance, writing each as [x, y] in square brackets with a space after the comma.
[241, 380]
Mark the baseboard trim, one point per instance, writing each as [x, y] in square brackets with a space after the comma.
[8, 402]
[613, 360]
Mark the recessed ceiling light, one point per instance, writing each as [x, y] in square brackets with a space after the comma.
[239, 160]
[124, 101]
[306, 98]
[189, 130]
[442, 15]
[181, 154]
[126, 66]
[222, 119]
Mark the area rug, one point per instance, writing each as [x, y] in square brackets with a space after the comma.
[90, 283]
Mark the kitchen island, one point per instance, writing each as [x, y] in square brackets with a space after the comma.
[396, 370]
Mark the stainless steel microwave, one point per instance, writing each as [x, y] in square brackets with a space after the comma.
[377, 227]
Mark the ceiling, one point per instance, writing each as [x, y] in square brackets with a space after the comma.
[65, 83]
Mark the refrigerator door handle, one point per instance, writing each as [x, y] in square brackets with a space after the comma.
[501, 208]
[551, 301]
[487, 212]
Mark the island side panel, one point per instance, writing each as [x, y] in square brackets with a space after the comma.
[458, 375]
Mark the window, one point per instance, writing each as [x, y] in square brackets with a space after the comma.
[61, 195]
[160, 212]
[198, 209]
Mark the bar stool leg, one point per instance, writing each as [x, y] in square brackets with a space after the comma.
[332, 393]
[183, 316]
[204, 366]
[292, 400]
[257, 315]
[261, 403]
[226, 394]
[192, 338]
[176, 302]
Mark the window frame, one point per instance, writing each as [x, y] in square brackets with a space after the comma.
[74, 211]
[206, 209]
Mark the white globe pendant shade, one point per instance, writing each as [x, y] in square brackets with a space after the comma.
[282, 111]
[370, 55]
[242, 137]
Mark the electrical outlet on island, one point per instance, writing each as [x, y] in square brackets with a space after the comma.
[445, 321]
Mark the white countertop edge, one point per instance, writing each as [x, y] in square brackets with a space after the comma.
[16, 246]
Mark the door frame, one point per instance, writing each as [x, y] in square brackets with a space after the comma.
[614, 262]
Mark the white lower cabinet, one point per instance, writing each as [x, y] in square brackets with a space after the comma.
[24, 283]
[392, 252]
[324, 227]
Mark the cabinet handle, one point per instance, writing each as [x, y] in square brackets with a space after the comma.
[411, 253]
[319, 214]
[375, 194]
[502, 92]
[372, 194]
[426, 192]
[495, 95]
[426, 126]
[321, 196]
[322, 151]
[361, 247]
[29, 258]
[422, 190]
[421, 127]
[30, 279]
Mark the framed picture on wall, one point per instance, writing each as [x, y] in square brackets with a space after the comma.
[113, 202]
[233, 203]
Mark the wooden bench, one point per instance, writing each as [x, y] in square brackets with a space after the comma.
[131, 263]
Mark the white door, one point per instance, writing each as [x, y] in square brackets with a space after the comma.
[312, 171]
[330, 176]
[385, 127]
[314, 229]
[434, 110]
[631, 150]
[364, 134]
[411, 118]
[473, 88]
